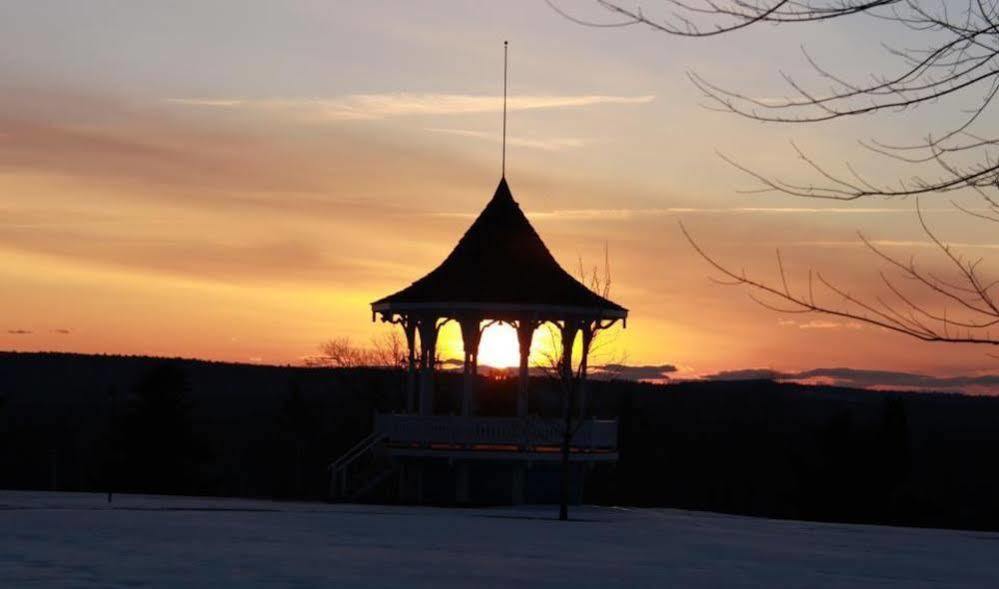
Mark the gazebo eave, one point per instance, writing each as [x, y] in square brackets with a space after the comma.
[490, 310]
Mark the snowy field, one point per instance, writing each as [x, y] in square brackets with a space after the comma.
[76, 540]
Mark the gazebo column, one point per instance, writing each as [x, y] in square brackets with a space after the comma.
[525, 333]
[409, 326]
[587, 330]
[471, 335]
[427, 327]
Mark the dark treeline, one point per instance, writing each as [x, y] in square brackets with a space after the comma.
[90, 423]
[79, 422]
[815, 453]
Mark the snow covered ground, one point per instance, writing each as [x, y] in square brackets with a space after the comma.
[76, 540]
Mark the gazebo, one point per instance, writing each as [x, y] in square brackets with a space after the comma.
[500, 272]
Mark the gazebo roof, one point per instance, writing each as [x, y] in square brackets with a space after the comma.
[500, 265]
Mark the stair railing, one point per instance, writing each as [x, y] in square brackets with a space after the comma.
[339, 468]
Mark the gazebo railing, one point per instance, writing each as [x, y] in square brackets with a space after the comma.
[522, 433]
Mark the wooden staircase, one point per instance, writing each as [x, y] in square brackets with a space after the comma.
[361, 470]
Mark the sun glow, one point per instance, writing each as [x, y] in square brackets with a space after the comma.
[498, 347]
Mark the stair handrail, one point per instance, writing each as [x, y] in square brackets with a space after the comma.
[356, 451]
[373, 482]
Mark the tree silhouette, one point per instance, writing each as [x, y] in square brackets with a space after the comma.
[386, 351]
[298, 426]
[951, 54]
[159, 447]
[896, 450]
[570, 380]
[111, 450]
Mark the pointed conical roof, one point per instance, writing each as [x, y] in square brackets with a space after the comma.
[500, 264]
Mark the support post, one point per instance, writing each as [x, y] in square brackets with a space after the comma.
[419, 483]
[409, 326]
[584, 362]
[525, 332]
[401, 489]
[471, 335]
[518, 492]
[428, 350]
[462, 481]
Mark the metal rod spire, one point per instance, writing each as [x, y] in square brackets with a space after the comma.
[503, 174]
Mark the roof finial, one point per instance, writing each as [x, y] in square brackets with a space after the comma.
[503, 173]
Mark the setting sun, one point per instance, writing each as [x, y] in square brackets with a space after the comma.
[499, 347]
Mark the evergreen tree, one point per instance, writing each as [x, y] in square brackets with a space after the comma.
[158, 442]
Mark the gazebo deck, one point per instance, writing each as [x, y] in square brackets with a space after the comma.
[510, 454]
[497, 438]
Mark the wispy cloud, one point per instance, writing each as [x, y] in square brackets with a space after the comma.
[644, 213]
[655, 372]
[820, 324]
[550, 144]
[380, 106]
[870, 379]
[896, 243]
[207, 102]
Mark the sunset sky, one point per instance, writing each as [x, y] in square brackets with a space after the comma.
[239, 180]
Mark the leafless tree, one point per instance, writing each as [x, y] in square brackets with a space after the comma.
[389, 350]
[570, 377]
[955, 61]
[385, 351]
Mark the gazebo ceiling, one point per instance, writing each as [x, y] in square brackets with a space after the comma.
[499, 267]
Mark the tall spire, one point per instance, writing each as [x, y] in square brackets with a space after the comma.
[505, 44]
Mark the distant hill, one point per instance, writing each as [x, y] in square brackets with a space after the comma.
[84, 422]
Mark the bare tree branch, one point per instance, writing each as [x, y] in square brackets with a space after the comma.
[954, 62]
[959, 60]
[911, 318]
